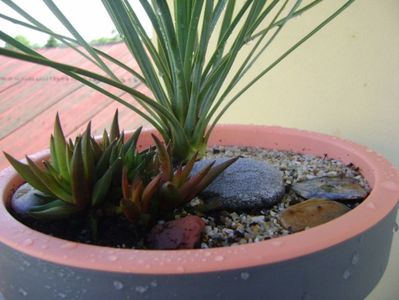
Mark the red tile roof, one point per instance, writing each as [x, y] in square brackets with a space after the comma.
[30, 96]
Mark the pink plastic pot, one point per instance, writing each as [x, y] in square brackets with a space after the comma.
[343, 259]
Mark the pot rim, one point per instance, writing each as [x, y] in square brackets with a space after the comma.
[381, 175]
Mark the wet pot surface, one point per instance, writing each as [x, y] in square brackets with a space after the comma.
[342, 259]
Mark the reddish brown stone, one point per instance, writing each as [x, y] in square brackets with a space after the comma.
[184, 233]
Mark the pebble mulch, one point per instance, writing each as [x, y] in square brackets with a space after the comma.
[226, 228]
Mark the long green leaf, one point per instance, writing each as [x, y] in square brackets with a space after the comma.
[60, 16]
[277, 61]
[66, 41]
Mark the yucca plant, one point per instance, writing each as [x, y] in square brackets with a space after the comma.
[192, 83]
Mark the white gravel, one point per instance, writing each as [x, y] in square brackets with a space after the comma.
[225, 228]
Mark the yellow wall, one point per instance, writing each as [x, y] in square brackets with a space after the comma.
[344, 81]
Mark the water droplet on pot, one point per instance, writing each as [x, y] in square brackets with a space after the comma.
[26, 263]
[244, 275]
[355, 258]
[207, 253]
[346, 274]
[141, 289]
[22, 292]
[371, 205]
[154, 283]
[118, 285]
[62, 295]
[390, 186]
[112, 258]
[276, 243]
[219, 258]
[180, 269]
[69, 245]
[27, 242]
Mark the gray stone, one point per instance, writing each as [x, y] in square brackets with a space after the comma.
[310, 213]
[24, 198]
[246, 184]
[333, 188]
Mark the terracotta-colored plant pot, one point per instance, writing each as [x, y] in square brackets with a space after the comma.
[343, 259]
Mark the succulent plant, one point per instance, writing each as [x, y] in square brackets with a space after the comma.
[80, 175]
[144, 200]
[110, 177]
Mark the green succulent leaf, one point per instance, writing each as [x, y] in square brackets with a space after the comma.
[27, 174]
[180, 177]
[170, 196]
[114, 133]
[60, 144]
[103, 184]
[54, 210]
[88, 156]
[131, 144]
[148, 193]
[80, 185]
[164, 159]
[51, 183]
[105, 141]
[104, 161]
[209, 177]
[186, 189]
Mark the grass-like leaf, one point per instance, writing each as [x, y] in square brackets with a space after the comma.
[192, 66]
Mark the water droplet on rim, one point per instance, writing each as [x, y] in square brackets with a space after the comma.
[69, 245]
[219, 258]
[276, 243]
[390, 186]
[180, 269]
[112, 258]
[371, 205]
[27, 242]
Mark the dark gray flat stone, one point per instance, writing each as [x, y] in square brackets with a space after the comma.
[332, 188]
[246, 184]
